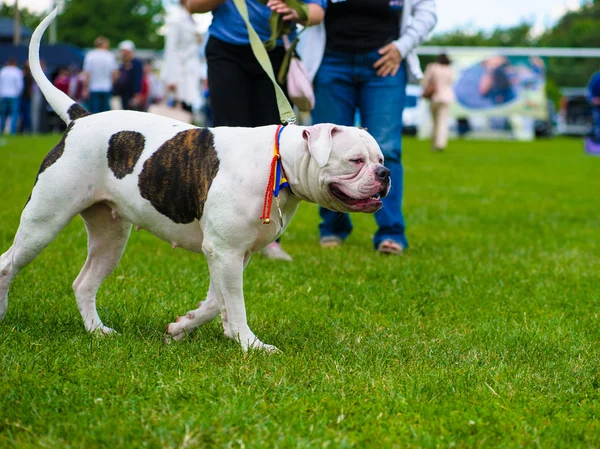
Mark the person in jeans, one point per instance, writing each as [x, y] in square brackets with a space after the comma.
[26, 123]
[241, 93]
[100, 67]
[593, 97]
[362, 56]
[130, 78]
[11, 87]
[439, 76]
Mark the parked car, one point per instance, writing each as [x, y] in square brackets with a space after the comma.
[412, 114]
[574, 113]
[545, 128]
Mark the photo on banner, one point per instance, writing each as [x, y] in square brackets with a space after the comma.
[497, 97]
[500, 86]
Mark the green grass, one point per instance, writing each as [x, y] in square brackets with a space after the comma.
[485, 334]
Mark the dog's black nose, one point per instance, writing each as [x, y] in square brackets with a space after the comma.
[382, 173]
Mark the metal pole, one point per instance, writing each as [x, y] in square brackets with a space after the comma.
[17, 25]
[52, 37]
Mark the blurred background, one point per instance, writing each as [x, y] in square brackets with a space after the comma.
[543, 54]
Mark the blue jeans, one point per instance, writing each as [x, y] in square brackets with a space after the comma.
[99, 102]
[25, 115]
[596, 124]
[9, 106]
[344, 83]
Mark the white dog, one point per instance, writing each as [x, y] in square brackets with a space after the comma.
[198, 189]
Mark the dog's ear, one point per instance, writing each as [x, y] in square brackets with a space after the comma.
[319, 139]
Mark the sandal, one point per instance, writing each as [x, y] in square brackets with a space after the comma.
[390, 247]
[331, 241]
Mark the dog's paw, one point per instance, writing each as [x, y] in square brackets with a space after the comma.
[103, 331]
[258, 345]
[174, 332]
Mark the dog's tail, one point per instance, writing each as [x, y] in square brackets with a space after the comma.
[66, 108]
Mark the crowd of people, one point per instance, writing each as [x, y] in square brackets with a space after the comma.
[100, 85]
[360, 58]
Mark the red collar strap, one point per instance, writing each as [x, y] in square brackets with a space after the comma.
[277, 179]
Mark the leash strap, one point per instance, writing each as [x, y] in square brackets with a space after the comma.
[278, 26]
[286, 112]
[277, 179]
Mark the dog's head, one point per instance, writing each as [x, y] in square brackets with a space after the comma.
[351, 175]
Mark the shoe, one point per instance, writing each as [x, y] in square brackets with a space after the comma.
[331, 241]
[274, 251]
[390, 247]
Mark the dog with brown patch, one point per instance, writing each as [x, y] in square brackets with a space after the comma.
[198, 189]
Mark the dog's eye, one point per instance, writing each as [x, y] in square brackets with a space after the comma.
[358, 160]
[381, 160]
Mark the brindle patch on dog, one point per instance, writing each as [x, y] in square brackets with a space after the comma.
[124, 150]
[54, 154]
[77, 111]
[177, 177]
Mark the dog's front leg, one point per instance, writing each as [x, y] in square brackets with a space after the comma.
[226, 268]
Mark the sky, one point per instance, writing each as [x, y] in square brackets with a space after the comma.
[460, 14]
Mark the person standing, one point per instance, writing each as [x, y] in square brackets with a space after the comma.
[361, 58]
[593, 97]
[181, 70]
[26, 123]
[129, 81]
[11, 87]
[100, 68]
[439, 81]
[241, 93]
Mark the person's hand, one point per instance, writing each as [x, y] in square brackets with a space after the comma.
[172, 87]
[390, 61]
[281, 8]
[596, 101]
[85, 94]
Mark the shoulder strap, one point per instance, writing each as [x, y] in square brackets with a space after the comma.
[290, 51]
[286, 113]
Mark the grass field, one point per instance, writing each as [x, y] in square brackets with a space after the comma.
[485, 334]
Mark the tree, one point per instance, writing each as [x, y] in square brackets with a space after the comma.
[516, 36]
[576, 29]
[579, 29]
[138, 20]
[28, 18]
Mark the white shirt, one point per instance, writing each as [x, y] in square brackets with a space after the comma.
[100, 64]
[11, 82]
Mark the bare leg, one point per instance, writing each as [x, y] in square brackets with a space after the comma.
[107, 238]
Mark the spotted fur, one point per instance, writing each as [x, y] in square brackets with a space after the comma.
[177, 177]
[124, 150]
[77, 111]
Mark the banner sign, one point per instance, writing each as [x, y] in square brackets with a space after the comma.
[499, 86]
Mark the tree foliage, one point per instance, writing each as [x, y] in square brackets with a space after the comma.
[138, 20]
[579, 29]
[516, 36]
[576, 29]
[28, 18]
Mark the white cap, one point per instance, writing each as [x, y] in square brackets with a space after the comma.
[127, 45]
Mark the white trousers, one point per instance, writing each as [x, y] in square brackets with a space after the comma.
[440, 114]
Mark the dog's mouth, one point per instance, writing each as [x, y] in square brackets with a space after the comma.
[367, 204]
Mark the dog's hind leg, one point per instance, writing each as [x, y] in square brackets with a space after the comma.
[38, 227]
[207, 311]
[107, 238]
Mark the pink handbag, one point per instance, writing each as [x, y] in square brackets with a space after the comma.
[299, 86]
